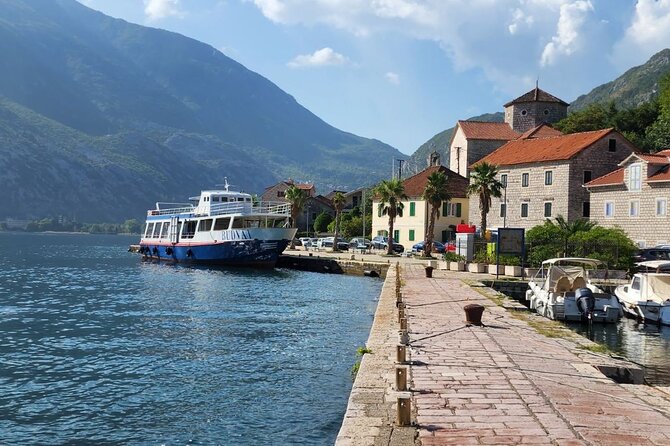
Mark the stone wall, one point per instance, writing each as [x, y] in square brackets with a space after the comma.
[525, 116]
[471, 151]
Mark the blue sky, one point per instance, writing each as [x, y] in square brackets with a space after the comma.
[403, 70]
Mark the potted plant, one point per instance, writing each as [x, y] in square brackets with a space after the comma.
[512, 265]
[478, 264]
[455, 261]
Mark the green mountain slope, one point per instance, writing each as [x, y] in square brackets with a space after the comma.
[99, 118]
[634, 87]
[440, 143]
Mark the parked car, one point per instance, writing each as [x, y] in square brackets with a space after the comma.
[652, 254]
[381, 242]
[359, 243]
[342, 244]
[437, 247]
[297, 242]
[305, 241]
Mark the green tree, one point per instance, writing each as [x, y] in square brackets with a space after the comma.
[390, 194]
[297, 198]
[132, 226]
[322, 221]
[483, 183]
[338, 203]
[568, 229]
[592, 117]
[435, 193]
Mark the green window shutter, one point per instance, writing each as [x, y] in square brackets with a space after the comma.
[396, 235]
[458, 209]
[379, 211]
[445, 208]
[412, 208]
[411, 235]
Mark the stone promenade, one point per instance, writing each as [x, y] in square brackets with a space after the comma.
[500, 383]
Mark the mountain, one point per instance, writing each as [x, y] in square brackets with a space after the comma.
[440, 143]
[99, 118]
[634, 87]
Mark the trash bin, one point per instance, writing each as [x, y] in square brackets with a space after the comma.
[429, 271]
[473, 314]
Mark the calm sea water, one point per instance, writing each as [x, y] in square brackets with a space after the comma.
[99, 347]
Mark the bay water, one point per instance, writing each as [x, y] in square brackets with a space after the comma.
[97, 346]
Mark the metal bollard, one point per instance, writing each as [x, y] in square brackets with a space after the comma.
[401, 378]
[401, 354]
[404, 412]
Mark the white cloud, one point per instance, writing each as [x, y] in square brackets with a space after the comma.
[506, 39]
[648, 33]
[322, 57]
[566, 41]
[393, 78]
[160, 9]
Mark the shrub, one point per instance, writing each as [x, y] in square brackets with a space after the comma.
[453, 257]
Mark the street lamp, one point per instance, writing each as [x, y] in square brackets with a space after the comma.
[309, 207]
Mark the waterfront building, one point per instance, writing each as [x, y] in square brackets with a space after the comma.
[411, 227]
[635, 198]
[277, 192]
[473, 140]
[543, 177]
[314, 204]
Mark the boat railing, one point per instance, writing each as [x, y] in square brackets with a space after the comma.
[237, 207]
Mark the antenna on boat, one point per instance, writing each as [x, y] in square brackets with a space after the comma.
[225, 183]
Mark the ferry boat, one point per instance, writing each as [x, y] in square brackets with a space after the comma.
[220, 227]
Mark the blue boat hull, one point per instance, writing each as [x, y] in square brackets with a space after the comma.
[229, 253]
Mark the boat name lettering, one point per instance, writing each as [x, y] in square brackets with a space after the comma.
[236, 235]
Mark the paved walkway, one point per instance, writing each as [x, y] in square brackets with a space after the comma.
[504, 383]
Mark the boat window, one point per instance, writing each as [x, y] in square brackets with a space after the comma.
[240, 198]
[179, 225]
[248, 199]
[205, 225]
[189, 229]
[150, 230]
[253, 224]
[224, 199]
[636, 283]
[238, 223]
[166, 228]
[215, 198]
[222, 224]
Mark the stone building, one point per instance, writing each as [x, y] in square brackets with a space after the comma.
[544, 177]
[635, 198]
[473, 140]
[277, 192]
[534, 108]
[412, 226]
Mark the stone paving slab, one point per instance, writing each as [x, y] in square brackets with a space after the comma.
[504, 383]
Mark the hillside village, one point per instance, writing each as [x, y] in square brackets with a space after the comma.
[596, 175]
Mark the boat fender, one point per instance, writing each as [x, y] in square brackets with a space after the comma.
[189, 253]
[168, 251]
[370, 273]
[141, 250]
[155, 251]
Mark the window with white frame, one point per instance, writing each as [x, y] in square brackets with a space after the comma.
[661, 207]
[634, 180]
[634, 208]
[609, 209]
[524, 180]
[548, 177]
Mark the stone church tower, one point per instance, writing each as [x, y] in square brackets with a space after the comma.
[534, 108]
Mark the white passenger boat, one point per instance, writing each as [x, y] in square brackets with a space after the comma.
[220, 227]
[563, 290]
[647, 296]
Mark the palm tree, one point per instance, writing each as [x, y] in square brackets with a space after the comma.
[391, 193]
[434, 194]
[568, 229]
[338, 203]
[297, 198]
[484, 183]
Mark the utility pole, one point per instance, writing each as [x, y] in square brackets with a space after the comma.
[400, 168]
[363, 216]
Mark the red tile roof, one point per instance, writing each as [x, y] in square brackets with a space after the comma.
[536, 95]
[522, 151]
[497, 131]
[663, 152]
[415, 185]
[654, 158]
[543, 130]
[610, 179]
[662, 175]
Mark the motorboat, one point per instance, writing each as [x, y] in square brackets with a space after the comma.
[647, 296]
[565, 289]
[218, 227]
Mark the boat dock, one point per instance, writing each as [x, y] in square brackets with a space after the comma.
[516, 379]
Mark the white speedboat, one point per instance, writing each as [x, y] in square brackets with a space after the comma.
[647, 296]
[563, 290]
[219, 227]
